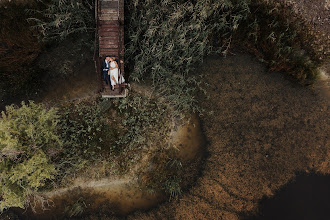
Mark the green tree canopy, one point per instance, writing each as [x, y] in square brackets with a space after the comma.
[27, 136]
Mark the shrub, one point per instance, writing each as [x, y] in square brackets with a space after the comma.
[167, 40]
[27, 134]
[146, 121]
[173, 188]
[86, 135]
[164, 172]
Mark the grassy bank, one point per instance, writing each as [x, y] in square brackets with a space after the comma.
[89, 139]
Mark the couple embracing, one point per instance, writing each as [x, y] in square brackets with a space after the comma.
[110, 71]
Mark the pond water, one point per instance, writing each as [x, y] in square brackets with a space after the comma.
[308, 197]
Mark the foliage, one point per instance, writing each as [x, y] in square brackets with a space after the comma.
[62, 18]
[146, 120]
[164, 172]
[144, 125]
[65, 59]
[173, 188]
[167, 39]
[86, 135]
[27, 134]
[282, 40]
[77, 208]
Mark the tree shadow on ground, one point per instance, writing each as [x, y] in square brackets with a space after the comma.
[305, 198]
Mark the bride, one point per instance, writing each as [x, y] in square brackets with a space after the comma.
[113, 72]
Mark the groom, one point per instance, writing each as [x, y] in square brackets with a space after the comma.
[105, 70]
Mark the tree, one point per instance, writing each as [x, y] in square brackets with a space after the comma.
[27, 135]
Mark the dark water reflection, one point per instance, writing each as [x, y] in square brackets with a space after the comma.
[308, 197]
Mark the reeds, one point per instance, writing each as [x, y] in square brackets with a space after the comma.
[282, 40]
[166, 40]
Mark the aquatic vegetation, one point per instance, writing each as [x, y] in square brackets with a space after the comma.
[282, 40]
[147, 122]
[85, 134]
[76, 209]
[39, 144]
[166, 44]
[166, 40]
[173, 188]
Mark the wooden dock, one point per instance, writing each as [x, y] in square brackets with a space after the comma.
[109, 16]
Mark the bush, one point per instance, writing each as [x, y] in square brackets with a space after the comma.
[27, 134]
[87, 136]
[146, 122]
[173, 188]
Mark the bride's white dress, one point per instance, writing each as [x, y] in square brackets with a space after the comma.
[113, 74]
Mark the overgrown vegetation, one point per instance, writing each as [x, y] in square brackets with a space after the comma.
[168, 38]
[76, 209]
[38, 145]
[59, 19]
[282, 40]
[147, 121]
[67, 27]
[167, 41]
[86, 137]
[27, 64]
[27, 135]
[164, 172]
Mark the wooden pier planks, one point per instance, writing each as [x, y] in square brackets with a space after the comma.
[111, 28]
[110, 32]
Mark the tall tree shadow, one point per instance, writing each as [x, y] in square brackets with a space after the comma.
[308, 197]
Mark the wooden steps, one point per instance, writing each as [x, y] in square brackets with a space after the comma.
[108, 93]
[110, 30]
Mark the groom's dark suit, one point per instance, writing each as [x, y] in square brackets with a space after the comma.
[105, 70]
